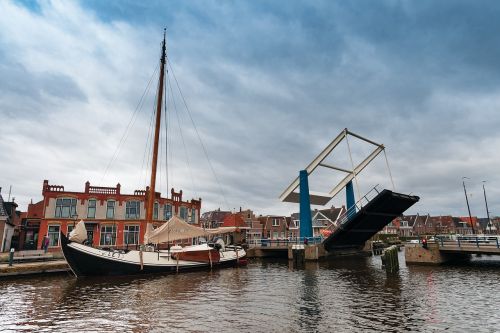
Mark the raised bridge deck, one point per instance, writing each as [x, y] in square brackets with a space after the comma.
[358, 225]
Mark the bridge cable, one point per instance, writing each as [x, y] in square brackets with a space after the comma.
[389, 169]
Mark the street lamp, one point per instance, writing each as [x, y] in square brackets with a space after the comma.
[468, 207]
[486, 202]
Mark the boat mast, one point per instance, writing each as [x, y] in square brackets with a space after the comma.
[151, 194]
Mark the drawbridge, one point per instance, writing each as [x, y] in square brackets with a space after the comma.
[362, 219]
[362, 222]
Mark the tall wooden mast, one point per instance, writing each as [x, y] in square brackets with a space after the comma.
[152, 185]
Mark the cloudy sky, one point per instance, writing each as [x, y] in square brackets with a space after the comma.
[268, 84]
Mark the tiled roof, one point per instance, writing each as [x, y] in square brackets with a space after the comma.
[234, 220]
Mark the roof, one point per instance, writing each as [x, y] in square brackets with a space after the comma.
[234, 220]
[3, 211]
[215, 215]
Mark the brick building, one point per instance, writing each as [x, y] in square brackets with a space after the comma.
[112, 218]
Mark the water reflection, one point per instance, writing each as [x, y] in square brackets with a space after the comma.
[310, 303]
[344, 295]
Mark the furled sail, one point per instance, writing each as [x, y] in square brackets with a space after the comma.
[79, 233]
[177, 229]
[149, 232]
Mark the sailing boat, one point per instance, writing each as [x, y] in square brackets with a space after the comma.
[89, 261]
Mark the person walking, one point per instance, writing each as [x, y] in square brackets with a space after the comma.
[46, 242]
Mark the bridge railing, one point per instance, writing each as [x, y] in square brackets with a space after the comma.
[469, 241]
[351, 211]
[266, 242]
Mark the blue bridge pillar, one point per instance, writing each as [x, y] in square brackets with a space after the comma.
[350, 201]
[305, 206]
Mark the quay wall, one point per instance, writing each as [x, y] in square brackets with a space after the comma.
[415, 254]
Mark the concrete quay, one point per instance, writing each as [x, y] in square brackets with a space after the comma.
[415, 254]
[31, 268]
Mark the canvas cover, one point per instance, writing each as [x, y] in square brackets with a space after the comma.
[79, 233]
[177, 229]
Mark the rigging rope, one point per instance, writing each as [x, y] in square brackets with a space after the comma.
[182, 139]
[199, 137]
[131, 122]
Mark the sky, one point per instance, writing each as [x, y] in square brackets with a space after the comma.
[267, 84]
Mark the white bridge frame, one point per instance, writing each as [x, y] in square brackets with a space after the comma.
[318, 198]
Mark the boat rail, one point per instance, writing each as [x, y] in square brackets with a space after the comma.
[266, 242]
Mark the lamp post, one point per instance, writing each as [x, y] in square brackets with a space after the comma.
[468, 207]
[486, 202]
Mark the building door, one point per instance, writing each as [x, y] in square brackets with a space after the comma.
[90, 234]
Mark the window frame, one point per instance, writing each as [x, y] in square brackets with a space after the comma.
[127, 232]
[137, 214]
[156, 210]
[108, 207]
[60, 207]
[89, 207]
[167, 211]
[57, 233]
[112, 232]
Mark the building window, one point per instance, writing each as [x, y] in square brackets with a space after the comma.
[131, 235]
[193, 215]
[183, 213]
[168, 211]
[276, 223]
[108, 234]
[110, 209]
[53, 235]
[132, 210]
[155, 211]
[275, 235]
[65, 207]
[70, 229]
[91, 208]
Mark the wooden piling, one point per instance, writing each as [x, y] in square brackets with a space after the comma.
[390, 259]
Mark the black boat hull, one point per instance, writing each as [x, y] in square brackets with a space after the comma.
[83, 264]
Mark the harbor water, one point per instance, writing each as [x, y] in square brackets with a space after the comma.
[344, 295]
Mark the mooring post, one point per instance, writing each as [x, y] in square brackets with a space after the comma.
[390, 259]
[11, 256]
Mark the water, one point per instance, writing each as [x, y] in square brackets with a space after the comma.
[266, 296]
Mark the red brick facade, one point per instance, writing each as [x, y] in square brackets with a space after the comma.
[106, 209]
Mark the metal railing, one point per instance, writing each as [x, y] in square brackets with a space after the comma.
[470, 241]
[266, 242]
[351, 211]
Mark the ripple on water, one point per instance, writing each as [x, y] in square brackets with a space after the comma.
[348, 294]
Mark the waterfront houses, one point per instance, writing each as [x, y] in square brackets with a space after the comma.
[213, 219]
[112, 218]
[415, 225]
[9, 219]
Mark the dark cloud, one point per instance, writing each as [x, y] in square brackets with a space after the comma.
[270, 84]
